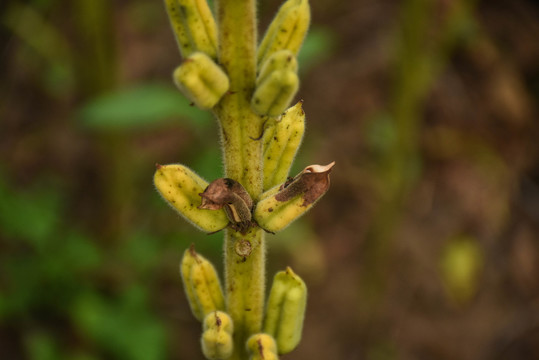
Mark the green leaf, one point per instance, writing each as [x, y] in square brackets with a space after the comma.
[32, 215]
[380, 132]
[318, 46]
[142, 251]
[41, 346]
[142, 106]
[208, 163]
[68, 257]
[124, 327]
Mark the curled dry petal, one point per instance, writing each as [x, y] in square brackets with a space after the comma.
[230, 195]
[280, 206]
[312, 183]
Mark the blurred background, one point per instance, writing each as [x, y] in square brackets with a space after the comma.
[425, 247]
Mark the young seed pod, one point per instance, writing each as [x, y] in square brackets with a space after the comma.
[274, 94]
[281, 148]
[216, 339]
[283, 204]
[201, 80]
[218, 320]
[193, 25]
[186, 266]
[207, 287]
[280, 60]
[262, 347]
[268, 134]
[285, 310]
[201, 284]
[287, 30]
[180, 187]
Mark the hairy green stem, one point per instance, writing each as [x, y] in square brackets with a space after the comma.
[239, 124]
[240, 127]
[245, 281]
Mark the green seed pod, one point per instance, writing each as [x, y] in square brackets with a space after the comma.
[216, 339]
[207, 287]
[201, 80]
[287, 30]
[181, 188]
[280, 60]
[186, 266]
[285, 310]
[201, 284]
[193, 25]
[262, 347]
[283, 204]
[275, 93]
[268, 134]
[282, 144]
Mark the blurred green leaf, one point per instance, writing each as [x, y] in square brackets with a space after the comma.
[124, 327]
[53, 278]
[20, 290]
[140, 107]
[318, 46]
[41, 346]
[208, 163]
[30, 24]
[79, 252]
[142, 250]
[44, 258]
[30, 216]
[66, 258]
[381, 133]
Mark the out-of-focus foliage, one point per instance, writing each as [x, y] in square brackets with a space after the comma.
[53, 270]
[46, 49]
[141, 107]
[117, 324]
[317, 48]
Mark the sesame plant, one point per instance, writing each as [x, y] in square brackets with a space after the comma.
[249, 89]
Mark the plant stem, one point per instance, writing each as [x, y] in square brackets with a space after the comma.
[245, 281]
[244, 275]
[239, 124]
